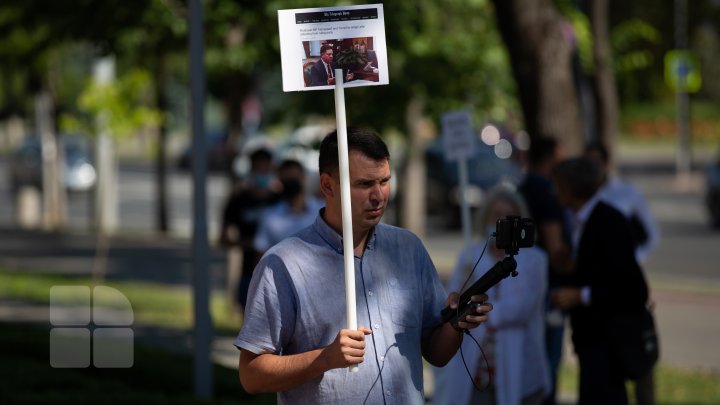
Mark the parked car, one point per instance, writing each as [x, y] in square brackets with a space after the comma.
[486, 168]
[25, 168]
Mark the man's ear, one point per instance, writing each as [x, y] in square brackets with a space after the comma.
[326, 185]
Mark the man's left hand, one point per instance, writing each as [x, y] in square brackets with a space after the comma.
[471, 321]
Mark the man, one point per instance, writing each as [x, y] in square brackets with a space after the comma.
[240, 221]
[322, 72]
[609, 284]
[295, 210]
[293, 340]
[626, 198]
[553, 236]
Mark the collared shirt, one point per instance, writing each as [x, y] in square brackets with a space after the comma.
[627, 199]
[297, 304]
[279, 221]
[579, 219]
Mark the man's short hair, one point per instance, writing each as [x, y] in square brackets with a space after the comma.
[541, 149]
[325, 48]
[260, 155]
[289, 164]
[581, 176]
[365, 141]
[599, 148]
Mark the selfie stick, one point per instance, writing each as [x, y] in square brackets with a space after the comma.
[348, 251]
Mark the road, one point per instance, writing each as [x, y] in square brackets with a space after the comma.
[136, 193]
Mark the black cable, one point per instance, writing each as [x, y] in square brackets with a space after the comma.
[477, 261]
[487, 364]
[377, 362]
[467, 332]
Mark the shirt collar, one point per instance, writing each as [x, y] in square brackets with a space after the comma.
[333, 238]
[584, 213]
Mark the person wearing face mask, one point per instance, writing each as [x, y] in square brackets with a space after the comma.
[241, 215]
[512, 368]
[295, 210]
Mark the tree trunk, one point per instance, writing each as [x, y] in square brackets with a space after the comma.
[604, 80]
[50, 157]
[413, 212]
[540, 46]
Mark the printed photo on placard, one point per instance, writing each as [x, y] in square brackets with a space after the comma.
[348, 38]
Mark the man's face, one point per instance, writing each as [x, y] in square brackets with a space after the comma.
[327, 57]
[369, 190]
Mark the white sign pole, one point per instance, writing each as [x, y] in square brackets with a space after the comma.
[348, 251]
[458, 144]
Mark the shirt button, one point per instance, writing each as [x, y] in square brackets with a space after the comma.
[387, 392]
[382, 358]
[377, 326]
[370, 293]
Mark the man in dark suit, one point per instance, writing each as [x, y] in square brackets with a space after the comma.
[608, 282]
[322, 73]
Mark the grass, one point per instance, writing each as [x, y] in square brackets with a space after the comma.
[155, 377]
[672, 385]
[152, 303]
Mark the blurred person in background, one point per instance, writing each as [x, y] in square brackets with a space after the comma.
[241, 215]
[627, 199]
[295, 210]
[608, 291]
[553, 231]
[512, 368]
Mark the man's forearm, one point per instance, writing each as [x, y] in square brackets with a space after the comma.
[441, 345]
[273, 373]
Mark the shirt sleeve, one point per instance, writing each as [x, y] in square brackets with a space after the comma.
[270, 312]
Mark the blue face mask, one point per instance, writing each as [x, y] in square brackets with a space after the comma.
[261, 180]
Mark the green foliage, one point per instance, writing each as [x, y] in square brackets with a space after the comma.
[582, 31]
[122, 105]
[351, 57]
[630, 40]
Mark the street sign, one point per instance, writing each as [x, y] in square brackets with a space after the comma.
[458, 135]
[682, 71]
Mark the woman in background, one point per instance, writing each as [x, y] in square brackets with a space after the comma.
[514, 369]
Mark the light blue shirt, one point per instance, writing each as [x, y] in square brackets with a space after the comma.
[297, 304]
[279, 221]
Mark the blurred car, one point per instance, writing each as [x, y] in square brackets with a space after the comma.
[493, 162]
[303, 145]
[25, 164]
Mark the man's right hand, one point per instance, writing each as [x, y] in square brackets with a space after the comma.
[347, 349]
